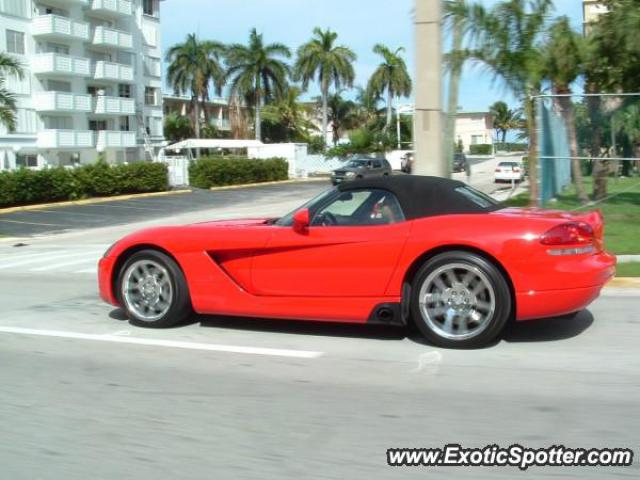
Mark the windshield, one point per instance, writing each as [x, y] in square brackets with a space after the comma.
[287, 220]
[356, 163]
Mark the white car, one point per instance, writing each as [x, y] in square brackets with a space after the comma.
[511, 171]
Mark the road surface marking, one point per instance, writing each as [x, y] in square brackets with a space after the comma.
[429, 361]
[34, 223]
[65, 264]
[88, 270]
[150, 342]
[102, 205]
[49, 257]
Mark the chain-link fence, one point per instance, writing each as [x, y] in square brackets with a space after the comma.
[588, 140]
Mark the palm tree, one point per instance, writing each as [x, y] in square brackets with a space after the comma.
[193, 67]
[391, 76]
[257, 72]
[177, 128]
[331, 64]
[343, 115]
[8, 66]
[507, 41]
[504, 119]
[563, 57]
[291, 115]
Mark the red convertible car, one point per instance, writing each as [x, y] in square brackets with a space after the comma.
[430, 251]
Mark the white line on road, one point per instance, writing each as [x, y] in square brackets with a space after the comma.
[34, 223]
[275, 352]
[29, 259]
[53, 266]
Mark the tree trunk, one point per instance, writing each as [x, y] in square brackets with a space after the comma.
[530, 113]
[452, 101]
[258, 117]
[566, 110]
[387, 125]
[504, 136]
[196, 120]
[325, 110]
[600, 167]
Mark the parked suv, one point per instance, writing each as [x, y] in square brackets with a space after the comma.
[361, 167]
[459, 162]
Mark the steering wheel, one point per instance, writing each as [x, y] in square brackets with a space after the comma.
[328, 219]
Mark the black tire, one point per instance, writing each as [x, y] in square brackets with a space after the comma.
[495, 323]
[180, 306]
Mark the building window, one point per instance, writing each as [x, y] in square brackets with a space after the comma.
[124, 91]
[125, 124]
[15, 42]
[152, 67]
[149, 96]
[57, 48]
[25, 120]
[14, 7]
[476, 139]
[150, 7]
[17, 85]
[58, 86]
[97, 125]
[58, 123]
[26, 161]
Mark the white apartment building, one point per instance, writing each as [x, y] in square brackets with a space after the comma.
[92, 83]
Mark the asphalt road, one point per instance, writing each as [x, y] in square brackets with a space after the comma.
[44, 221]
[86, 396]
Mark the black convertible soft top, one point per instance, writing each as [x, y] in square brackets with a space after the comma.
[428, 196]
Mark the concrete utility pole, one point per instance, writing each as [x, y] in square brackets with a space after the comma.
[428, 133]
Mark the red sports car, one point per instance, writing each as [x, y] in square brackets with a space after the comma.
[394, 250]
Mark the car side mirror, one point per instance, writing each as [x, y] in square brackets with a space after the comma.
[301, 220]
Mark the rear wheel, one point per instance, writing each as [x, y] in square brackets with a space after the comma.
[153, 291]
[460, 300]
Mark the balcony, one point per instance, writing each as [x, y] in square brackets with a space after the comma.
[62, 102]
[115, 139]
[114, 106]
[115, 72]
[59, 28]
[111, 8]
[58, 64]
[65, 139]
[109, 38]
[67, 3]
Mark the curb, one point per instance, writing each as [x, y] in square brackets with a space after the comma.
[625, 282]
[261, 184]
[89, 201]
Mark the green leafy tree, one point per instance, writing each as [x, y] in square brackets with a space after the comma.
[195, 66]
[391, 76]
[343, 115]
[507, 41]
[330, 64]
[177, 128]
[258, 71]
[8, 66]
[504, 119]
[287, 118]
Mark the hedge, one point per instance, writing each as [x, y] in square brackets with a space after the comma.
[512, 147]
[24, 186]
[481, 149]
[220, 171]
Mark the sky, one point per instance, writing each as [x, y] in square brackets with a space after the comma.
[360, 24]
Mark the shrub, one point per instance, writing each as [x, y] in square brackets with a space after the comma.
[512, 147]
[24, 186]
[481, 149]
[220, 171]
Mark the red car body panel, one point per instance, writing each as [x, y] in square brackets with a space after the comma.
[252, 268]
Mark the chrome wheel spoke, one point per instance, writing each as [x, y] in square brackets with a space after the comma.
[457, 301]
[147, 290]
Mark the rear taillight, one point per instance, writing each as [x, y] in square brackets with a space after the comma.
[516, 169]
[498, 170]
[572, 233]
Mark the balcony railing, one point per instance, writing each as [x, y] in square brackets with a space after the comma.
[113, 71]
[108, 37]
[112, 7]
[54, 26]
[58, 64]
[62, 102]
[114, 106]
[115, 139]
[50, 139]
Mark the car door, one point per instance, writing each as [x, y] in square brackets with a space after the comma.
[350, 249]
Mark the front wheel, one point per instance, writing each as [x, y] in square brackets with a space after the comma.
[460, 300]
[153, 291]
